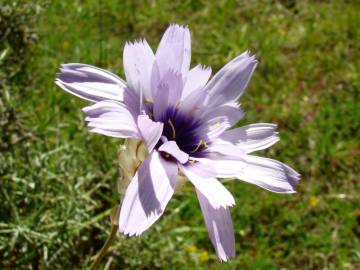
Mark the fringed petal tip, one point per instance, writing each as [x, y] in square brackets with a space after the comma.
[129, 233]
[174, 50]
[205, 67]
[226, 259]
[252, 60]
[110, 118]
[179, 26]
[220, 228]
[57, 81]
[89, 82]
[223, 258]
[289, 175]
[137, 41]
[250, 55]
[293, 178]
[229, 83]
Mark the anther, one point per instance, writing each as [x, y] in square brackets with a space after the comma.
[147, 101]
[216, 125]
[173, 128]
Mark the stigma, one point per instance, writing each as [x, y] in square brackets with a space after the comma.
[200, 143]
[172, 128]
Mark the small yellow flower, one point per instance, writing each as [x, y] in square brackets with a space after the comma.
[66, 44]
[313, 201]
[204, 256]
[191, 249]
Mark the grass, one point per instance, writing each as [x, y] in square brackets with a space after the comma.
[58, 181]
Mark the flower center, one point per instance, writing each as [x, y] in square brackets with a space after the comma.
[184, 130]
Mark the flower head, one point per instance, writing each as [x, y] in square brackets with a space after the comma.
[185, 122]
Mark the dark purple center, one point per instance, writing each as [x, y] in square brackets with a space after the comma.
[184, 130]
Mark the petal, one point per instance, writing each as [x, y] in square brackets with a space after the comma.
[230, 113]
[133, 101]
[200, 175]
[194, 102]
[267, 173]
[220, 228]
[111, 118]
[90, 83]
[168, 93]
[174, 51]
[173, 149]
[252, 137]
[175, 83]
[225, 149]
[230, 82]
[150, 131]
[147, 194]
[161, 101]
[114, 134]
[155, 79]
[138, 65]
[216, 121]
[213, 128]
[216, 129]
[196, 79]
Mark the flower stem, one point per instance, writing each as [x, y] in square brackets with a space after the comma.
[114, 227]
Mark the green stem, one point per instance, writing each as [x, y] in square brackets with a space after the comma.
[114, 227]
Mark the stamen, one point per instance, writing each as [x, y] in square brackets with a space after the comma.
[216, 125]
[206, 145]
[147, 101]
[173, 128]
[201, 142]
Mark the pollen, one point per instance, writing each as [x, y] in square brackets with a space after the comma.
[205, 144]
[172, 128]
[148, 101]
[216, 125]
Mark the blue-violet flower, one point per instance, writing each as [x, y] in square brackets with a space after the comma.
[185, 121]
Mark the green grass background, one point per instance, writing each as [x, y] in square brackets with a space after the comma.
[58, 181]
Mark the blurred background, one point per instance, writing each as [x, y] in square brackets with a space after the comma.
[58, 181]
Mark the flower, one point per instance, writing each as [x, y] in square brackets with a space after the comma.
[313, 201]
[185, 121]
